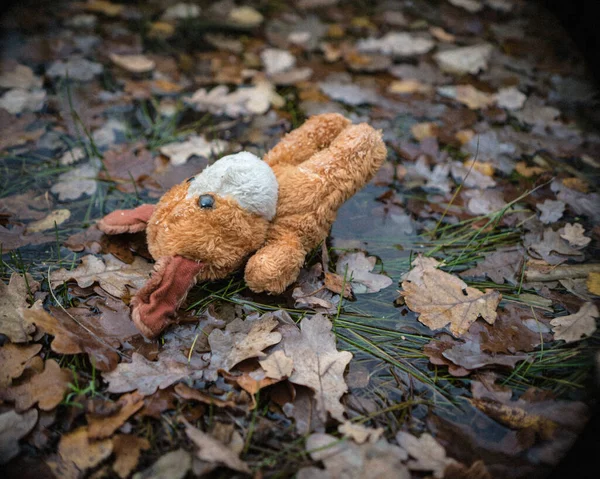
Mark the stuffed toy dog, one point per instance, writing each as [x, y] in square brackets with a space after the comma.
[269, 214]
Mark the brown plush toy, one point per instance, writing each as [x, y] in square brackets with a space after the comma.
[269, 213]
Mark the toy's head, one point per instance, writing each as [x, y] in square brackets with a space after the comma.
[217, 218]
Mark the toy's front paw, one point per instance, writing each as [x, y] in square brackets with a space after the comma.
[273, 268]
[155, 305]
[126, 221]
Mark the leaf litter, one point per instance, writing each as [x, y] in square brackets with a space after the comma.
[488, 171]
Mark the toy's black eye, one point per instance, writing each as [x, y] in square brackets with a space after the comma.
[206, 201]
[190, 179]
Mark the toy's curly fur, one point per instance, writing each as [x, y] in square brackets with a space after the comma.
[318, 166]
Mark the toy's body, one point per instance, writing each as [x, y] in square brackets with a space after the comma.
[273, 216]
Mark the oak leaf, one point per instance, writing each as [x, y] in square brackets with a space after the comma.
[14, 360]
[318, 365]
[127, 449]
[104, 426]
[47, 389]
[173, 465]
[277, 365]
[13, 297]
[503, 264]
[113, 276]
[576, 326]
[428, 453]
[445, 299]
[360, 433]
[76, 448]
[357, 269]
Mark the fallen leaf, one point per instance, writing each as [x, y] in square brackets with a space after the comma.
[311, 292]
[359, 433]
[472, 6]
[15, 131]
[277, 365]
[536, 112]
[180, 153]
[550, 247]
[13, 427]
[71, 338]
[500, 265]
[428, 454]
[336, 284]
[573, 233]
[75, 68]
[242, 340]
[348, 93]
[14, 360]
[436, 178]
[18, 100]
[115, 277]
[593, 283]
[408, 86]
[26, 206]
[246, 16]
[55, 218]
[76, 447]
[397, 44]
[299, 404]
[276, 60]
[318, 365]
[419, 265]
[147, 376]
[72, 155]
[576, 326]
[254, 100]
[473, 178]
[13, 297]
[580, 203]
[21, 76]
[103, 6]
[213, 451]
[435, 349]
[510, 98]
[189, 393]
[484, 202]
[352, 461]
[46, 389]
[443, 298]
[100, 427]
[356, 268]
[172, 465]
[76, 182]
[470, 356]
[13, 238]
[133, 63]
[467, 95]
[551, 211]
[127, 449]
[423, 130]
[464, 60]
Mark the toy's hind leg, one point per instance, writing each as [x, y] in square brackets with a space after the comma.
[315, 134]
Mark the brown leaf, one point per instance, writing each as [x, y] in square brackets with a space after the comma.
[115, 277]
[13, 427]
[336, 284]
[71, 338]
[173, 465]
[251, 379]
[300, 404]
[15, 237]
[76, 448]
[159, 402]
[14, 360]
[359, 433]
[187, 392]
[12, 298]
[214, 451]
[470, 356]
[576, 326]
[550, 247]
[503, 264]
[104, 426]
[318, 365]
[443, 299]
[277, 365]
[428, 453]
[127, 449]
[129, 166]
[14, 130]
[435, 352]
[47, 389]
[242, 340]
[26, 206]
[148, 376]
[356, 268]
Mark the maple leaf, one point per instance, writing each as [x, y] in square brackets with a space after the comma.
[241, 340]
[47, 389]
[72, 338]
[428, 453]
[147, 376]
[445, 299]
[113, 276]
[14, 360]
[214, 451]
[13, 427]
[13, 297]
[318, 365]
[576, 326]
[357, 269]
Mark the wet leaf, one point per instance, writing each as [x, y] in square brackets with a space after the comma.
[13, 427]
[115, 277]
[360, 434]
[254, 100]
[76, 182]
[435, 352]
[13, 297]
[397, 44]
[173, 465]
[419, 265]
[318, 365]
[15, 131]
[484, 202]
[463, 60]
[574, 234]
[277, 365]
[242, 340]
[428, 454]
[550, 247]
[13, 238]
[576, 326]
[470, 356]
[473, 178]
[127, 449]
[213, 451]
[356, 268]
[346, 459]
[46, 389]
[78, 449]
[21, 76]
[147, 376]
[467, 95]
[311, 292]
[18, 100]
[444, 299]
[14, 360]
[348, 93]
[103, 426]
[133, 63]
[75, 68]
[551, 211]
[593, 283]
[189, 393]
[505, 264]
[71, 338]
[180, 153]
[55, 218]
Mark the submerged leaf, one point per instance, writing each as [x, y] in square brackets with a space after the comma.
[576, 326]
[356, 268]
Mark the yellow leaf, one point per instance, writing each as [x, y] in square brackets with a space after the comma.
[593, 283]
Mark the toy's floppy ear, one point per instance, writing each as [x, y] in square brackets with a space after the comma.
[126, 221]
[154, 306]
